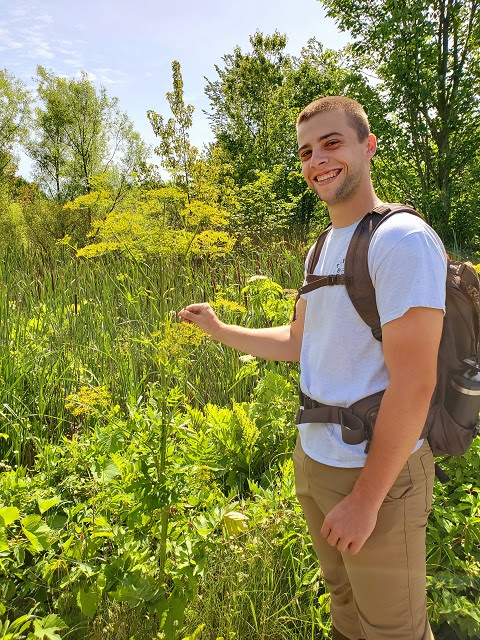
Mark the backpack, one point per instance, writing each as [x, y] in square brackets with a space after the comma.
[458, 352]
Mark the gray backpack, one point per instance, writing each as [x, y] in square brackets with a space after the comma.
[452, 421]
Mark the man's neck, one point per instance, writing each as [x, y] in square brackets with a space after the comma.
[346, 213]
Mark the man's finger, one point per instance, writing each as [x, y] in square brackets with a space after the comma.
[193, 308]
[343, 545]
[333, 539]
[355, 546]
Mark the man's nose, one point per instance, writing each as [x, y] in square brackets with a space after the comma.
[317, 158]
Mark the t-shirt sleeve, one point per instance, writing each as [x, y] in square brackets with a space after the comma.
[409, 272]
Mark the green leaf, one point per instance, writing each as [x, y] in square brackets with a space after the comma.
[8, 515]
[37, 532]
[235, 523]
[45, 505]
[106, 472]
[46, 627]
[88, 602]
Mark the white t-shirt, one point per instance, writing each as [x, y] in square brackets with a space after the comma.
[341, 362]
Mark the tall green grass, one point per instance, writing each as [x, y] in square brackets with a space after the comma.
[67, 322]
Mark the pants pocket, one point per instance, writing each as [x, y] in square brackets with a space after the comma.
[402, 486]
[428, 465]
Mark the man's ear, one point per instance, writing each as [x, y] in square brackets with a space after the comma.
[371, 146]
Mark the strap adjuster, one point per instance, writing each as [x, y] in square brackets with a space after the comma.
[331, 280]
[377, 333]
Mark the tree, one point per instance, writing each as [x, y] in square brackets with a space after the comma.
[426, 55]
[240, 100]
[80, 133]
[14, 113]
[254, 107]
[177, 154]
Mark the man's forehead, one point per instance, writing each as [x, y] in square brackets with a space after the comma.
[322, 123]
[317, 129]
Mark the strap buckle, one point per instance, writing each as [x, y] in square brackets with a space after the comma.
[331, 280]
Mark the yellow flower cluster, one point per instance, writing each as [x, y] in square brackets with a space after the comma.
[177, 338]
[229, 305]
[88, 400]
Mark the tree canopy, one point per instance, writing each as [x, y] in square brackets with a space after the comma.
[414, 67]
[426, 56]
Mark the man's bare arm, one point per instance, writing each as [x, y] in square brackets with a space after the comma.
[410, 346]
[273, 343]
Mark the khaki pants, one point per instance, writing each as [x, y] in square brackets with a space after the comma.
[380, 593]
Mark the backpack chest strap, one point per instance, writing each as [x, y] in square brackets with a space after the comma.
[315, 282]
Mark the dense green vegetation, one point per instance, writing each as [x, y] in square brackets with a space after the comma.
[146, 486]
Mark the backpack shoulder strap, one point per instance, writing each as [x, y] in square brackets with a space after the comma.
[357, 276]
[312, 263]
[317, 250]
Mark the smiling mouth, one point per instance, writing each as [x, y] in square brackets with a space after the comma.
[326, 176]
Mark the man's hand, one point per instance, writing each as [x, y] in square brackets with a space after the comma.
[203, 316]
[349, 524]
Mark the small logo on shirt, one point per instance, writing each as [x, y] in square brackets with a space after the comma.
[340, 267]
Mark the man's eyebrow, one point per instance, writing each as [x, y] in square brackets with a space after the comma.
[324, 137]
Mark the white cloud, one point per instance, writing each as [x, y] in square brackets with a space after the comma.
[73, 62]
[111, 76]
[45, 18]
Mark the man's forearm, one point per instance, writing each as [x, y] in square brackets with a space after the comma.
[274, 343]
[398, 427]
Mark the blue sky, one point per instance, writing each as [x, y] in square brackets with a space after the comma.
[128, 45]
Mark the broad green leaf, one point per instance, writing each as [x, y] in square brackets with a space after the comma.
[44, 633]
[36, 531]
[235, 523]
[88, 602]
[46, 627]
[45, 505]
[8, 515]
[106, 473]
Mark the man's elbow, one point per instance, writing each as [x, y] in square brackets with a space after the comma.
[417, 388]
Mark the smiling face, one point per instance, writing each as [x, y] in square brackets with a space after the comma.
[335, 163]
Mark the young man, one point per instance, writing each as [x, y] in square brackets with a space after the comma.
[366, 513]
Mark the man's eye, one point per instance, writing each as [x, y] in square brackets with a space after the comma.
[305, 154]
[332, 143]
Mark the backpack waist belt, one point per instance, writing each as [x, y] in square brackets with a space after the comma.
[357, 421]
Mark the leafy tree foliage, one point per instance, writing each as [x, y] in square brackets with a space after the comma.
[177, 154]
[79, 133]
[426, 56]
[14, 112]
[254, 106]
[241, 103]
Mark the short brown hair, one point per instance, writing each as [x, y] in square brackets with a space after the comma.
[356, 116]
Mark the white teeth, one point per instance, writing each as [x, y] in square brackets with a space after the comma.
[327, 176]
